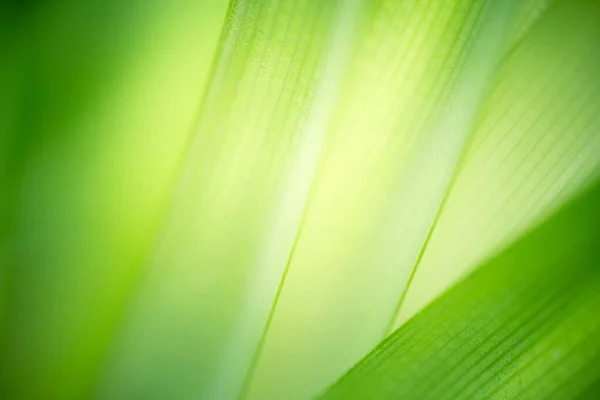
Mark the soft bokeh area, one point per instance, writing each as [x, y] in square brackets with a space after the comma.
[97, 101]
[224, 199]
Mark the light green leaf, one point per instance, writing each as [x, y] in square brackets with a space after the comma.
[525, 325]
[536, 145]
[329, 173]
[351, 160]
[236, 210]
[379, 191]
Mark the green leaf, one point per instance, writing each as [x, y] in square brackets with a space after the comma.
[351, 160]
[525, 325]
[334, 166]
[535, 146]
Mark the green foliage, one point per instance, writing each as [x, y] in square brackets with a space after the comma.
[524, 325]
[213, 200]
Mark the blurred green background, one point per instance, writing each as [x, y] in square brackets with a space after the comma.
[97, 99]
[333, 136]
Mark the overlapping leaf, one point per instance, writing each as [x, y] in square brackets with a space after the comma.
[336, 162]
[525, 325]
[536, 145]
[351, 161]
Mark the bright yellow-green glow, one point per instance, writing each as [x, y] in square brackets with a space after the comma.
[213, 200]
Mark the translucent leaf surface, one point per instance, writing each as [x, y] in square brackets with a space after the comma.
[349, 162]
[536, 145]
[523, 326]
[340, 149]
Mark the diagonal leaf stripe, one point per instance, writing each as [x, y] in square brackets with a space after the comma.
[349, 162]
[524, 325]
[344, 149]
[535, 146]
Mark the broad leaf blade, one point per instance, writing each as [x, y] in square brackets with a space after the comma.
[525, 325]
[378, 190]
[536, 146]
